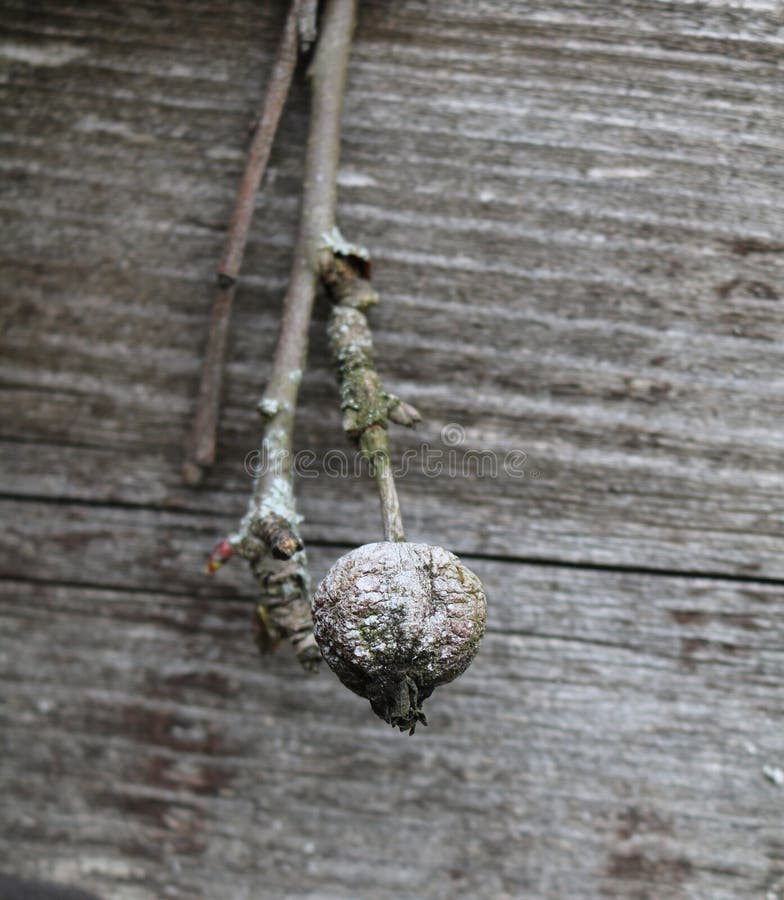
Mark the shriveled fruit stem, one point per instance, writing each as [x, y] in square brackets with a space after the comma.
[375, 448]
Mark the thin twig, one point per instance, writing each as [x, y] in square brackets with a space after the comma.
[367, 407]
[200, 445]
[258, 155]
[271, 522]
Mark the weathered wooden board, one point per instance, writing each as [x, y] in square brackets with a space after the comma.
[609, 741]
[575, 210]
[576, 216]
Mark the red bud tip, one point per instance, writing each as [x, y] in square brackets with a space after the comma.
[221, 553]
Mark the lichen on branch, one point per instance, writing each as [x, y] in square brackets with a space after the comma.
[367, 406]
[268, 536]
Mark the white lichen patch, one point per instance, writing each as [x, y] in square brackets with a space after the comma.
[333, 240]
[268, 407]
[278, 500]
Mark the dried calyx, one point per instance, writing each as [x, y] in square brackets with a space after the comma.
[394, 620]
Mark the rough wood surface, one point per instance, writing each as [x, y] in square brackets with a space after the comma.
[575, 211]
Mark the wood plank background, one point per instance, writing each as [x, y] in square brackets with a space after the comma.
[575, 210]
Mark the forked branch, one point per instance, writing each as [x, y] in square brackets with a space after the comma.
[268, 536]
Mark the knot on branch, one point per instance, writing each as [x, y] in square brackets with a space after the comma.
[277, 534]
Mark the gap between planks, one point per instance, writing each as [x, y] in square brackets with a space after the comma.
[343, 546]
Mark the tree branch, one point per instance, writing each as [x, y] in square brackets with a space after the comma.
[367, 407]
[270, 526]
[200, 445]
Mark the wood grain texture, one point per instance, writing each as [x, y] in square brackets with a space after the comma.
[575, 211]
[583, 208]
[609, 741]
